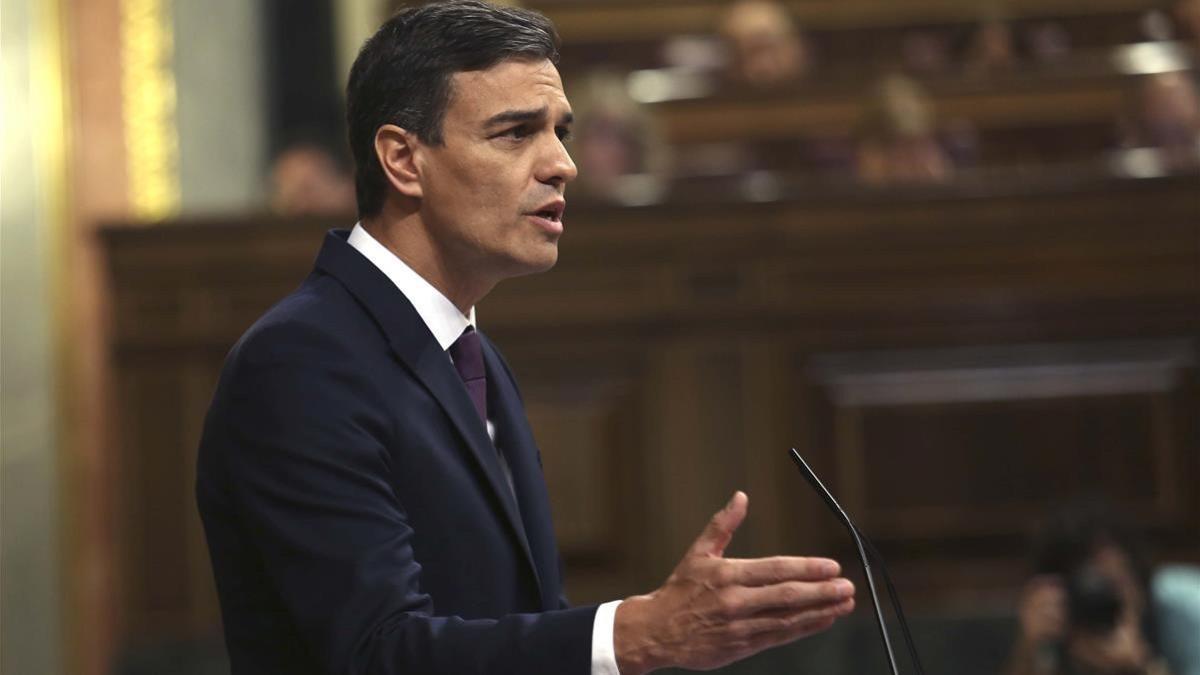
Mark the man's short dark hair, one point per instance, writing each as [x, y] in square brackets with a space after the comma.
[402, 75]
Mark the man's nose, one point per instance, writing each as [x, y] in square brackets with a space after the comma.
[558, 167]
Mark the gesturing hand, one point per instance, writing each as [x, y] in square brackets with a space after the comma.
[714, 610]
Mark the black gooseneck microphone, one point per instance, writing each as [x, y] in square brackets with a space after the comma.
[859, 541]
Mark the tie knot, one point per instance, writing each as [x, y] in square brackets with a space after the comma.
[467, 354]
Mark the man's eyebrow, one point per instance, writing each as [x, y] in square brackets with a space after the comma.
[530, 115]
[515, 116]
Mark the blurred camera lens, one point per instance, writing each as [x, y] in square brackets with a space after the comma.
[1093, 602]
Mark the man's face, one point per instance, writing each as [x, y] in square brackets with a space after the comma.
[492, 194]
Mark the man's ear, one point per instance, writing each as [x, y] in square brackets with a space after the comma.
[395, 148]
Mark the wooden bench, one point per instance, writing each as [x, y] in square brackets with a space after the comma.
[1039, 117]
[623, 34]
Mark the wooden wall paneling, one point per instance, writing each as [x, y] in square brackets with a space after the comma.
[816, 530]
[982, 270]
[197, 384]
[678, 349]
[1178, 505]
[586, 400]
[948, 444]
[977, 564]
[154, 503]
[718, 438]
[683, 499]
[722, 450]
[769, 476]
[127, 490]
[1182, 546]
[577, 463]
[169, 578]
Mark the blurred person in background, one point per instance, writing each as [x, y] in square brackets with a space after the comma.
[306, 179]
[764, 45]
[617, 144]
[1047, 41]
[1093, 605]
[992, 48]
[1187, 16]
[925, 52]
[1163, 114]
[897, 138]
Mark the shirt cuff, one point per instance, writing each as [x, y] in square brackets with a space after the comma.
[604, 656]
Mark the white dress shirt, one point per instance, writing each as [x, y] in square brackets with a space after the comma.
[446, 323]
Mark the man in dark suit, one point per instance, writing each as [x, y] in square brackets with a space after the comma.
[369, 485]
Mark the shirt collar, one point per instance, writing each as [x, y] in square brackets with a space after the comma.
[440, 315]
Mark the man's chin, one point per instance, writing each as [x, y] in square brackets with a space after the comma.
[544, 259]
[545, 264]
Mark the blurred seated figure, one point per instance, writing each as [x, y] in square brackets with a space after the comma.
[992, 48]
[618, 148]
[897, 140]
[764, 45]
[306, 179]
[1047, 41]
[1163, 114]
[1090, 607]
[925, 52]
[1174, 20]
[1187, 17]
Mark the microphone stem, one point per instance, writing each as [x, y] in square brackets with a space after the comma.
[887, 641]
[899, 608]
[811, 477]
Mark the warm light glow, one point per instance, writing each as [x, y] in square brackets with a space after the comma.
[1149, 58]
[667, 84]
[148, 90]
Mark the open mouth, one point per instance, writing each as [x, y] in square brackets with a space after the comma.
[552, 212]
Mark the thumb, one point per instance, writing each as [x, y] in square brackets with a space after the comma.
[719, 531]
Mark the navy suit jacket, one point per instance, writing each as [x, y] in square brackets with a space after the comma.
[356, 512]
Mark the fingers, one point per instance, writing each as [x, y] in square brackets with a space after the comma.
[768, 633]
[719, 531]
[768, 639]
[712, 610]
[790, 597]
[789, 621]
[781, 569]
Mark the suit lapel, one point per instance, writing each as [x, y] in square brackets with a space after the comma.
[515, 439]
[416, 347]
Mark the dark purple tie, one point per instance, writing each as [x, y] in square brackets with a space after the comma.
[467, 354]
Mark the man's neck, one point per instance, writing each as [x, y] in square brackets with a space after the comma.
[408, 239]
